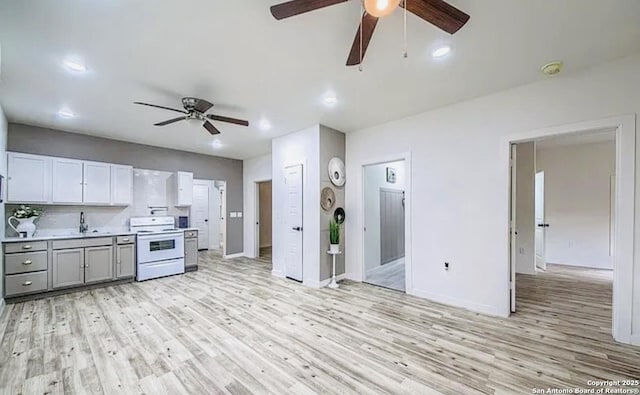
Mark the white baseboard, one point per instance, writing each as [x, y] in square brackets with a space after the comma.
[238, 255]
[277, 273]
[635, 340]
[465, 304]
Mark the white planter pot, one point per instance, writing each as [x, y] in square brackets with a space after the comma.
[25, 225]
[334, 248]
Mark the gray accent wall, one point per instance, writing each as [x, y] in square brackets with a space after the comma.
[331, 144]
[43, 141]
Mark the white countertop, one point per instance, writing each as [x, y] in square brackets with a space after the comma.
[63, 235]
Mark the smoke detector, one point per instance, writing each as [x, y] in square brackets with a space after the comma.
[552, 68]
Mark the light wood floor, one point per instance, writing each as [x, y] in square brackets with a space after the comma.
[233, 328]
[265, 253]
[389, 275]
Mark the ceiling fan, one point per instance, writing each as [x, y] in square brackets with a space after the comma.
[195, 109]
[437, 12]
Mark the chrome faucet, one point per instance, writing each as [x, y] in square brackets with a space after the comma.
[83, 226]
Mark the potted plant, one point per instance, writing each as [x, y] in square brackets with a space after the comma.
[334, 237]
[24, 215]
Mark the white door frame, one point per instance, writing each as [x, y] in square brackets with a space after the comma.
[625, 209]
[256, 216]
[223, 202]
[223, 219]
[406, 157]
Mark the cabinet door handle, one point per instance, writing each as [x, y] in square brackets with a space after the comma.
[27, 283]
[27, 247]
[28, 262]
[125, 240]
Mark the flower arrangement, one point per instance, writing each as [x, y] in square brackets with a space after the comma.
[23, 212]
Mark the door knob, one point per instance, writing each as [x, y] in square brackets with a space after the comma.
[297, 228]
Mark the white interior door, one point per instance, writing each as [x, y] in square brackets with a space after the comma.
[512, 228]
[293, 222]
[200, 214]
[541, 225]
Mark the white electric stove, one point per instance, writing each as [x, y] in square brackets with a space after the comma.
[160, 247]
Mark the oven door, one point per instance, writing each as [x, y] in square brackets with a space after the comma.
[160, 247]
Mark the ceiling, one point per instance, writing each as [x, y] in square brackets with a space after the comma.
[235, 54]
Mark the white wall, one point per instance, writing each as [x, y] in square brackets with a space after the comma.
[301, 147]
[577, 203]
[254, 170]
[459, 182]
[375, 177]
[525, 210]
[3, 172]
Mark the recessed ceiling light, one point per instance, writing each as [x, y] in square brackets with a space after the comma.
[330, 100]
[441, 52]
[216, 144]
[74, 65]
[264, 125]
[65, 113]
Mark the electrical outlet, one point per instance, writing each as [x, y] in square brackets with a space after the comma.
[521, 250]
[446, 266]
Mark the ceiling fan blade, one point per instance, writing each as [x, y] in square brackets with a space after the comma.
[162, 107]
[169, 121]
[297, 7]
[439, 13]
[212, 129]
[228, 120]
[367, 26]
[202, 106]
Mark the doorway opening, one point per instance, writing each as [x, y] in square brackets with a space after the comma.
[263, 220]
[384, 201]
[207, 215]
[571, 223]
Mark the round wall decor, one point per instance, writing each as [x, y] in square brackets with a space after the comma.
[327, 198]
[338, 215]
[336, 171]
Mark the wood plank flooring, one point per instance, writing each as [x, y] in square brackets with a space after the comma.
[233, 328]
[389, 275]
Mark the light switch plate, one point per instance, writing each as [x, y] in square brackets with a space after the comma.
[239, 214]
[233, 214]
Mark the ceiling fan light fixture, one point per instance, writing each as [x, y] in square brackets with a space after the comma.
[380, 8]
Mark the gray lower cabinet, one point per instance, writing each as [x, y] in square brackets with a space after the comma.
[98, 264]
[125, 260]
[68, 267]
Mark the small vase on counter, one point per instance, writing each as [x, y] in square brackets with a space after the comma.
[24, 216]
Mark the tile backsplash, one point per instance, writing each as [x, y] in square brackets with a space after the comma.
[150, 188]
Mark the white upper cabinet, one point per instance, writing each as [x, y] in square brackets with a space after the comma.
[97, 183]
[121, 185]
[29, 178]
[67, 181]
[47, 180]
[183, 188]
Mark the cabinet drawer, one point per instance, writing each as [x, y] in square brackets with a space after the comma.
[25, 262]
[25, 246]
[126, 239]
[191, 233]
[18, 284]
[82, 243]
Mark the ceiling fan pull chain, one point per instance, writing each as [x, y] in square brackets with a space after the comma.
[406, 45]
